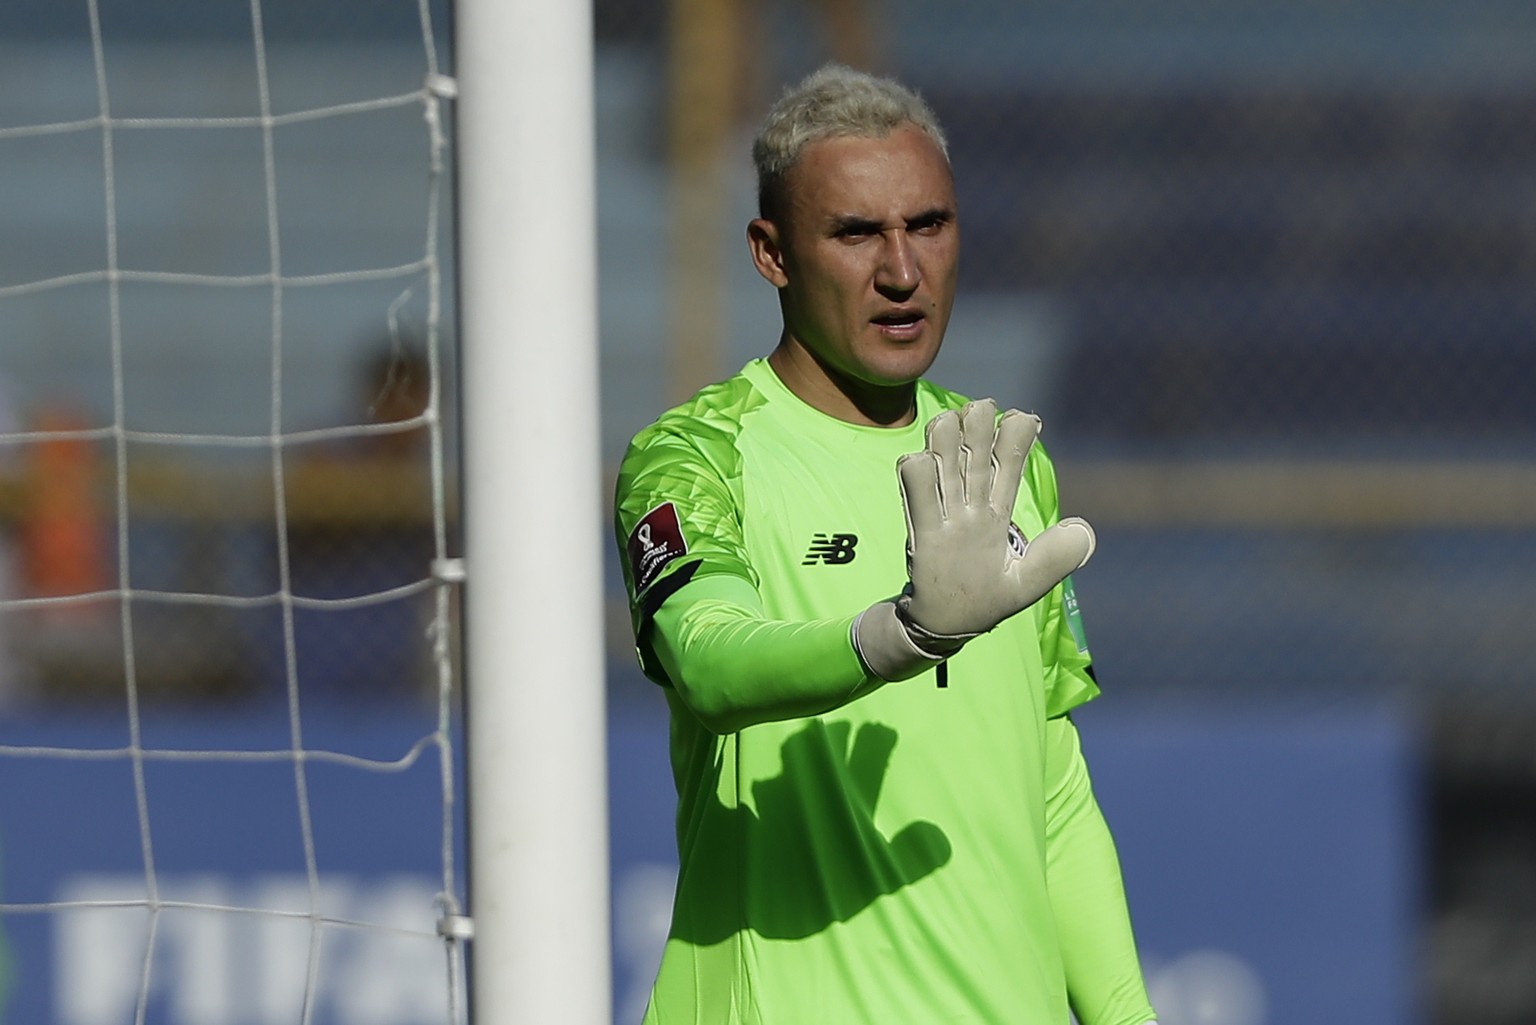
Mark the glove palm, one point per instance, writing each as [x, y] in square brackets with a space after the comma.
[969, 568]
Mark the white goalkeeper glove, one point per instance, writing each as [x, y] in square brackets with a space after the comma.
[966, 574]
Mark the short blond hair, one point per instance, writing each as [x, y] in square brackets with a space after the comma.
[833, 101]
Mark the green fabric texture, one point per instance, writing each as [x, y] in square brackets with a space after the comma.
[742, 668]
[1093, 924]
[848, 852]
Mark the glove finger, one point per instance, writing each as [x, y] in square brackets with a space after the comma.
[918, 473]
[1049, 557]
[1093, 539]
[1016, 434]
[978, 429]
[943, 435]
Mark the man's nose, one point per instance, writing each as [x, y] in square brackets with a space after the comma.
[898, 270]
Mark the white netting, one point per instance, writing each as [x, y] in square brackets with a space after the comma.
[148, 521]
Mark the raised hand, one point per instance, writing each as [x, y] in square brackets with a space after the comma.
[969, 568]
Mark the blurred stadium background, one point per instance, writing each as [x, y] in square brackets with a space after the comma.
[1264, 268]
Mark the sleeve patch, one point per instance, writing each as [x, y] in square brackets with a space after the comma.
[1074, 615]
[656, 540]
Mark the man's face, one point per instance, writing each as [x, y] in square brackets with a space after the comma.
[865, 253]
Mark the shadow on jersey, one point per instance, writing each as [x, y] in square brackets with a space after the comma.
[812, 853]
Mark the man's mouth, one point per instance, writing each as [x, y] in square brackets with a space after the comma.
[899, 321]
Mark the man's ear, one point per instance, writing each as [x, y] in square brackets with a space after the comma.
[767, 254]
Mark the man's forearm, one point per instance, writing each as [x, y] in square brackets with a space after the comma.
[1098, 949]
[735, 668]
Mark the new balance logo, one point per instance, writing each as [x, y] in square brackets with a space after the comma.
[831, 549]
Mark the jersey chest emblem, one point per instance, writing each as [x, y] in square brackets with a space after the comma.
[830, 549]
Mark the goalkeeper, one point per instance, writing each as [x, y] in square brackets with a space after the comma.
[853, 587]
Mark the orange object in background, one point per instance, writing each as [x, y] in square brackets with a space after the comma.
[62, 540]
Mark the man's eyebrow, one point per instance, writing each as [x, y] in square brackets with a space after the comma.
[852, 223]
[840, 223]
[933, 215]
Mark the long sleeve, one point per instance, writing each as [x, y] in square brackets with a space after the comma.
[1104, 980]
[734, 668]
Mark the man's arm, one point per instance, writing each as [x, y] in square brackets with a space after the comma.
[966, 573]
[733, 667]
[700, 623]
[1098, 949]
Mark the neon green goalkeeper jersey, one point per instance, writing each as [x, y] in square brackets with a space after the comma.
[884, 862]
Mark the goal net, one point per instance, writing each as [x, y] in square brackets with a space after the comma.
[228, 684]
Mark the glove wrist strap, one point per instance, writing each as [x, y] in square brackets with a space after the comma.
[938, 646]
[886, 648]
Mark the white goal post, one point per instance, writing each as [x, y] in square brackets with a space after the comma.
[533, 528]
